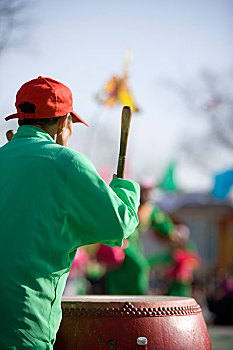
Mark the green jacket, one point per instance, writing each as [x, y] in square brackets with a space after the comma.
[52, 202]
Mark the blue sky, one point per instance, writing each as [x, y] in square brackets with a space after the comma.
[83, 43]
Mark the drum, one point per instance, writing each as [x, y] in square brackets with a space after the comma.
[116, 322]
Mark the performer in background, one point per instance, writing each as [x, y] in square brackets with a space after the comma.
[183, 261]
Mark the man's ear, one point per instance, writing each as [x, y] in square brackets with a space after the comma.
[62, 122]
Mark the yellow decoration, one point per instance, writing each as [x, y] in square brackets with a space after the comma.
[117, 91]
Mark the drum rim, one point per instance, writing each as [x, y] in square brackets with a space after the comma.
[124, 298]
[130, 307]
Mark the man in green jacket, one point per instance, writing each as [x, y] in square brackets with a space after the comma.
[52, 202]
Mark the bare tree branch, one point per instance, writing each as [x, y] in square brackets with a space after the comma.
[11, 20]
[210, 100]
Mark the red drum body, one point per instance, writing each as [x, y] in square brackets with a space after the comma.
[115, 323]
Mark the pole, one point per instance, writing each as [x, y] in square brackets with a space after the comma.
[125, 126]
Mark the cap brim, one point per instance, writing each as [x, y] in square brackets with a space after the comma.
[77, 118]
[12, 116]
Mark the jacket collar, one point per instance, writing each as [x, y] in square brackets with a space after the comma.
[32, 131]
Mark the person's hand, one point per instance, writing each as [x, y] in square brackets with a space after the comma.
[10, 134]
[181, 234]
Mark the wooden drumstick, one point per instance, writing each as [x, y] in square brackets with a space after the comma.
[125, 125]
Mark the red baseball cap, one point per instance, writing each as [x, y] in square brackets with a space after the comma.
[51, 99]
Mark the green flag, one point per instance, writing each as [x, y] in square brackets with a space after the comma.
[168, 182]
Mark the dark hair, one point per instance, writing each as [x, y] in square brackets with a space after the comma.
[27, 107]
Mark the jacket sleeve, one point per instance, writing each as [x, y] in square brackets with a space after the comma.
[97, 212]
